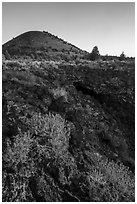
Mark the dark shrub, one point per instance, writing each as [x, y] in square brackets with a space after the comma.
[94, 54]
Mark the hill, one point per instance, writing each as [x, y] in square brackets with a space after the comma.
[37, 43]
[68, 131]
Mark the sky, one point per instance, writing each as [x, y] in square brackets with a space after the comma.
[108, 25]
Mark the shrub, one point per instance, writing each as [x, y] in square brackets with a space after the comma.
[94, 54]
[18, 154]
[109, 181]
[48, 189]
[16, 158]
[120, 175]
[52, 141]
[53, 130]
[59, 92]
[15, 189]
[44, 146]
[122, 56]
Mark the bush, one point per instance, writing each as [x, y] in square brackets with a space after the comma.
[18, 154]
[16, 158]
[94, 54]
[122, 56]
[114, 180]
[52, 144]
[44, 147]
[15, 188]
[53, 129]
[59, 92]
[121, 176]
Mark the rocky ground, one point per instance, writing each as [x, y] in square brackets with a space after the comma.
[68, 131]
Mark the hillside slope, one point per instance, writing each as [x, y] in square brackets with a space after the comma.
[36, 42]
[68, 131]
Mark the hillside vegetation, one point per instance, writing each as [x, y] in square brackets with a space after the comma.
[41, 45]
[68, 125]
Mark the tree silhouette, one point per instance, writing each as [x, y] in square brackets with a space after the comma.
[122, 56]
[94, 54]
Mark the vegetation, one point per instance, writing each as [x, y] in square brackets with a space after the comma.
[68, 127]
[7, 55]
[94, 55]
[122, 56]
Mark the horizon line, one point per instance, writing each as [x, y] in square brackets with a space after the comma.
[66, 41]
